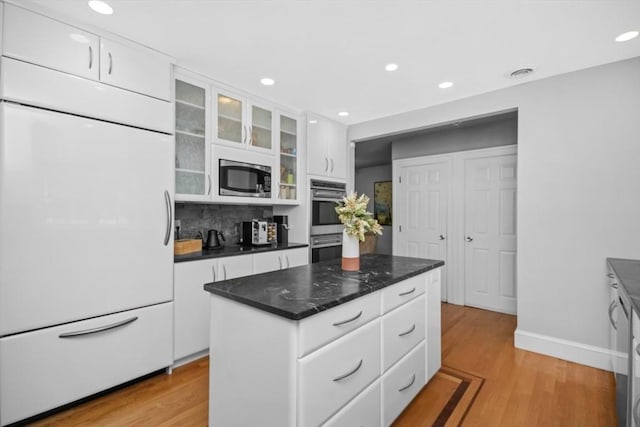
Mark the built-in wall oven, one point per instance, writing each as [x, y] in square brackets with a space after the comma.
[326, 229]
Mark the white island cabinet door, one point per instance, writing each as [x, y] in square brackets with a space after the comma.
[36, 39]
[98, 198]
[135, 68]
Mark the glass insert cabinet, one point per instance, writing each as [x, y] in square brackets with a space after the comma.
[288, 157]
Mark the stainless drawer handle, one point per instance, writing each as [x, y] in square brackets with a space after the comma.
[413, 380]
[110, 63]
[636, 416]
[90, 57]
[213, 268]
[98, 329]
[348, 320]
[407, 293]
[610, 275]
[614, 285]
[167, 201]
[612, 307]
[411, 329]
[224, 270]
[348, 374]
[638, 349]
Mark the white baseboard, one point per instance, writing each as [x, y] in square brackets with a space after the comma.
[596, 357]
[190, 358]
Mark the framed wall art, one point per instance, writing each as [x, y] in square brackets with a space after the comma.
[382, 196]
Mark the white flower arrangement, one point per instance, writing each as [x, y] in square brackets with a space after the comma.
[352, 212]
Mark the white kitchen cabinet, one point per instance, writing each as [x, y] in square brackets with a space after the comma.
[50, 367]
[279, 260]
[288, 158]
[362, 411]
[135, 68]
[402, 383]
[40, 40]
[326, 147]
[402, 329]
[243, 123]
[193, 168]
[35, 38]
[191, 325]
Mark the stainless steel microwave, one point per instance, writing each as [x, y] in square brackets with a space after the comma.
[244, 179]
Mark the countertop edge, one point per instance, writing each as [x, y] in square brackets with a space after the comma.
[198, 256]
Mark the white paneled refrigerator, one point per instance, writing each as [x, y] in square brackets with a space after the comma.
[86, 252]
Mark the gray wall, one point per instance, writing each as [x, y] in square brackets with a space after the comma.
[364, 179]
[451, 139]
[578, 190]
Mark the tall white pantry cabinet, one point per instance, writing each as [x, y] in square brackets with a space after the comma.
[86, 207]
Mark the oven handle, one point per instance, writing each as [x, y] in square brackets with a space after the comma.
[327, 245]
[326, 199]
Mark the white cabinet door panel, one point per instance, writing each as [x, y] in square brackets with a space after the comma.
[336, 373]
[191, 324]
[135, 69]
[398, 294]
[318, 159]
[267, 261]
[94, 193]
[402, 383]
[234, 266]
[295, 257]
[41, 370]
[363, 411]
[337, 150]
[402, 329]
[44, 41]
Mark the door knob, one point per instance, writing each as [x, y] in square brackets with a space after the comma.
[442, 237]
[469, 239]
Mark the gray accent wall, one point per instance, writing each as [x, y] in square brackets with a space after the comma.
[452, 138]
[578, 196]
[364, 180]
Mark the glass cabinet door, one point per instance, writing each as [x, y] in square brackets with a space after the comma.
[230, 119]
[192, 176]
[288, 158]
[261, 127]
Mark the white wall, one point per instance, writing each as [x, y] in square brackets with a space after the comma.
[364, 179]
[578, 195]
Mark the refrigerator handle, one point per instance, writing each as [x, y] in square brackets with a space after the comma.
[167, 199]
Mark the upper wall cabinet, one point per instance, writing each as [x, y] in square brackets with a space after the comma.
[193, 176]
[288, 159]
[326, 147]
[244, 124]
[40, 40]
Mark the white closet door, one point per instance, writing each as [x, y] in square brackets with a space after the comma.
[84, 218]
[490, 232]
[424, 199]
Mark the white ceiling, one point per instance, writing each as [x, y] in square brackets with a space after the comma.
[329, 55]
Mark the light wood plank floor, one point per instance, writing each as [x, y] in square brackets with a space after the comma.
[520, 388]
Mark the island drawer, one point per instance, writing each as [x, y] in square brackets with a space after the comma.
[333, 375]
[401, 384]
[322, 328]
[363, 411]
[402, 329]
[396, 295]
[50, 367]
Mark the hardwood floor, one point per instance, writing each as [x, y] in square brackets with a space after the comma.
[520, 388]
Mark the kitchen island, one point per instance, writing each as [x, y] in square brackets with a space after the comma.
[314, 345]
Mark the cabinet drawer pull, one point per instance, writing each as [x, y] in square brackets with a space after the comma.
[411, 329]
[167, 200]
[287, 257]
[638, 349]
[331, 165]
[636, 416]
[612, 307]
[348, 320]
[413, 380]
[326, 164]
[280, 261]
[213, 268]
[614, 285]
[98, 329]
[610, 275]
[209, 180]
[110, 63]
[90, 57]
[348, 374]
[407, 293]
[224, 270]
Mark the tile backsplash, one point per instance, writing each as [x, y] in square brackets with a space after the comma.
[196, 218]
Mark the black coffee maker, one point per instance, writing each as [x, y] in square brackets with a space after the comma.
[283, 228]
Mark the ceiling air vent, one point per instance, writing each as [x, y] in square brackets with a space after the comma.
[520, 72]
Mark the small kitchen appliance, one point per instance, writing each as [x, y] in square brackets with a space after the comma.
[257, 232]
[213, 239]
[282, 222]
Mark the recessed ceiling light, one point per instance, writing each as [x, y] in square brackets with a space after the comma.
[445, 85]
[627, 36]
[100, 7]
[313, 121]
[391, 67]
[343, 113]
[267, 81]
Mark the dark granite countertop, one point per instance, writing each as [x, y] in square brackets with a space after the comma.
[235, 250]
[303, 291]
[628, 273]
